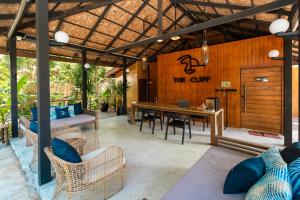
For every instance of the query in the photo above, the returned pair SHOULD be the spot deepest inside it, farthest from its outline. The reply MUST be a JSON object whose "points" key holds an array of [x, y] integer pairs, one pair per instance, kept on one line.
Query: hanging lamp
{"points": [[175, 37]]}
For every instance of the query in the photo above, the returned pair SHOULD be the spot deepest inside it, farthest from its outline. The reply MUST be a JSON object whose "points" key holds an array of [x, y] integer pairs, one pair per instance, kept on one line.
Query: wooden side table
{"points": [[4, 133]]}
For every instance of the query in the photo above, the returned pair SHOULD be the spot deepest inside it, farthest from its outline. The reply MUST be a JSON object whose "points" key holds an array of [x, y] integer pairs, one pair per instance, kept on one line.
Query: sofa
{"points": [[87, 117], [205, 179]]}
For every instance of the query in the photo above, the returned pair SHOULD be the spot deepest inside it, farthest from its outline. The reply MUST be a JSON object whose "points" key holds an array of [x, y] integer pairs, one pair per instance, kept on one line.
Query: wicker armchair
{"points": [[73, 136], [98, 176]]}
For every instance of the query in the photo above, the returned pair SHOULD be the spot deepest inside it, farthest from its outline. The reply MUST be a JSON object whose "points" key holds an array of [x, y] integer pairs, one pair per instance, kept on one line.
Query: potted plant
{"points": [[119, 91], [105, 96]]}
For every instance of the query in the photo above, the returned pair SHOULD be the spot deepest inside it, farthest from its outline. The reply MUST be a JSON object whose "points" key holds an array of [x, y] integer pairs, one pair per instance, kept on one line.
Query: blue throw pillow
{"points": [[71, 110], [62, 112], [33, 126], [276, 183], [52, 113], [294, 172], [244, 175], [65, 151], [34, 114], [78, 109]]}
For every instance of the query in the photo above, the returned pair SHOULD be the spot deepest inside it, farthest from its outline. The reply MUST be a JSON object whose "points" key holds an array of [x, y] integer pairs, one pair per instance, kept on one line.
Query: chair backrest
{"points": [[68, 174], [183, 103]]}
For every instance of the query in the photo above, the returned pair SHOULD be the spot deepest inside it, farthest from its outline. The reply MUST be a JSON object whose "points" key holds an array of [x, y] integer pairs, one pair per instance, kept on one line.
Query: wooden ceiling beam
{"points": [[56, 1], [100, 18], [52, 42], [229, 6], [127, 24], [212, 16], [212, 23], [70, 12]]}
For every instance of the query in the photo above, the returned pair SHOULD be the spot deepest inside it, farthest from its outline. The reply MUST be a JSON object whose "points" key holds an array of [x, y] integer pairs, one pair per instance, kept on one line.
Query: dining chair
{"points": [[151, 116], [204, 119], [178, 121]]}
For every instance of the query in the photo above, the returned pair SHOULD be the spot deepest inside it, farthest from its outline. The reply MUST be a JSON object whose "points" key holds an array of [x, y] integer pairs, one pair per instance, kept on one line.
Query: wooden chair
{"points": [[204, 119], [179, 121], [151, 116], [73, 136], [98, 176]]}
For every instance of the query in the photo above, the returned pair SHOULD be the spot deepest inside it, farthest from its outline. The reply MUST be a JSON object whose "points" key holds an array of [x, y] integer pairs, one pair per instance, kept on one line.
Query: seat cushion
{"points": [[65, 151], [72, 121], [294, 172], [291, 153], [62, 112], [244, 175], [205, 179], [275, 184]]}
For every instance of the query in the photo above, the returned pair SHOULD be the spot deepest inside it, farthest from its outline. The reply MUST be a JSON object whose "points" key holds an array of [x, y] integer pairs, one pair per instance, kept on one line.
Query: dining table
{"points": [[216, 117]]}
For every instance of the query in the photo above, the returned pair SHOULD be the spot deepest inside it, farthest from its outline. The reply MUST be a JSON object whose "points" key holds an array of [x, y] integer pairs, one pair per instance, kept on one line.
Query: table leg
{"points": [[220, 122], [133, 114], [213, 138]]}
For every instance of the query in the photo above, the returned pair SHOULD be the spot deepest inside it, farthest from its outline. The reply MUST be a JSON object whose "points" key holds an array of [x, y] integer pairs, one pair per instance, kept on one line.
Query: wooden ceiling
{"points": [[106, 25]]}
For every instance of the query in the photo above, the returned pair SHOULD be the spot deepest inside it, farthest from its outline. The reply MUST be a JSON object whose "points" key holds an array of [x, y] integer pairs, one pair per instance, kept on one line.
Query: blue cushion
{"points": [[275, 184], [52, 113], [71, 110], [294, 172], [65, 151], [33, 126], [62, 112], [244, 175], [78, 109], [34, 114]]}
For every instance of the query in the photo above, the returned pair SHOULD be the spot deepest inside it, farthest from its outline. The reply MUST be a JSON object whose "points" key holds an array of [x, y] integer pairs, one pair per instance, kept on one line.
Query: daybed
{"points": [[88, 117], [206, 178]]}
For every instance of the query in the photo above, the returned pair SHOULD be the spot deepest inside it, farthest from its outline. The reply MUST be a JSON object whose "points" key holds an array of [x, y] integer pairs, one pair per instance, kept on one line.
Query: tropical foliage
{"points": [[65, 83]]}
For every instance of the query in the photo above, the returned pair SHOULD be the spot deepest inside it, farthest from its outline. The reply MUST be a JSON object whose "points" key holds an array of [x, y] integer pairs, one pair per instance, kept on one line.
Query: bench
{"points": [[88, 117]]}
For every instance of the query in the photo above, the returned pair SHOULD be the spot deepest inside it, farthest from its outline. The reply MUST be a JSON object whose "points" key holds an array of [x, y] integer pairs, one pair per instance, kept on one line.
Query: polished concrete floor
{"points": [[13, 185], [153, 164]]}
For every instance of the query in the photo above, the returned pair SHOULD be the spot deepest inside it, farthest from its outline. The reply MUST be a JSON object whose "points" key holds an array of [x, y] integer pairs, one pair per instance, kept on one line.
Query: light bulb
{"points": [[273, 53]]}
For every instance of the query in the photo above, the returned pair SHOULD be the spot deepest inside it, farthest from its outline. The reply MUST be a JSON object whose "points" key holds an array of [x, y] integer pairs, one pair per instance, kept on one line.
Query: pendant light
{"points": [[175, 37], [279, 26], [61, 37], [204, 49], [144, 58], [87, 66]]}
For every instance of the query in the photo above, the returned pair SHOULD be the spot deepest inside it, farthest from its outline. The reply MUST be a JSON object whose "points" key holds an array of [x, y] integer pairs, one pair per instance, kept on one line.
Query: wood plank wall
{"points": [[226, 61]]}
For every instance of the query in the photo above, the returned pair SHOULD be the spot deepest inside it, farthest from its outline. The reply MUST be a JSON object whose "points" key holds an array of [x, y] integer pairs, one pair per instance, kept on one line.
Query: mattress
{"points": [[205, 179]]}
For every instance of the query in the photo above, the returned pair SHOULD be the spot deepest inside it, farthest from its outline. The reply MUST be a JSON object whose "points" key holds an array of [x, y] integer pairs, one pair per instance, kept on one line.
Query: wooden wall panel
{"points": [[226, 61], [153, 80]]}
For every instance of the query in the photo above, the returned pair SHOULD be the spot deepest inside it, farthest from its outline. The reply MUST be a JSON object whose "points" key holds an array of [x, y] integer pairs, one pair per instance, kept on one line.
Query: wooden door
{"points": [[261, 99], [142, 90]]}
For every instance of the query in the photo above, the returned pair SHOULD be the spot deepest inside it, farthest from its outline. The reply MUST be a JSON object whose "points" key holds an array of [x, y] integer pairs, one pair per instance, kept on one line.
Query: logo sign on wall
{"points": [[190, 63]]}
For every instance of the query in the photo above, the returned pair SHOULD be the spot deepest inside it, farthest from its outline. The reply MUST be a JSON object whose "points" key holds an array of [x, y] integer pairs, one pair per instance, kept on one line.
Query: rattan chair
{"points": [[98, 176], [73, 136]]}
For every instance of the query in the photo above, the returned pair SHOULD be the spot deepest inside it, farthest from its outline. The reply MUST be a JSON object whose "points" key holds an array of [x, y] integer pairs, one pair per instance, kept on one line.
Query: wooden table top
{"points": [[174, 108]]}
